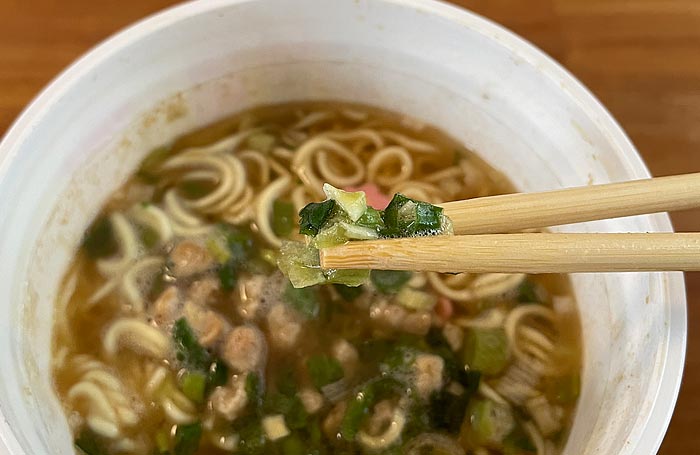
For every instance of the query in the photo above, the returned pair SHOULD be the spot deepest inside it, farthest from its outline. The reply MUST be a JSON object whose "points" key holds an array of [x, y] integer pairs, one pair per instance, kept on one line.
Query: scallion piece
{"points": [[217, 375], [228, 275], [189, 351], [194, 384], [389, 281], [303, 300], [372, 218], [282, 218], [518, 443], [314, 216], [204, 372], [324, 370], [357, 410], [293, 445], [89, 444], [301, 264], [240, 243], [489, 422], [187, 439], [405, 217], [353, 203], [486, 350], [99, 240], [348, 293], [253, 441], [253, 389], [162, 441], [359, 406]]}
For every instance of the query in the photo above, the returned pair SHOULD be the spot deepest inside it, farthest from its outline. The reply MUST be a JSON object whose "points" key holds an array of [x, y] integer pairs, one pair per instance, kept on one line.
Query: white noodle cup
{"points": [[193, 64]]}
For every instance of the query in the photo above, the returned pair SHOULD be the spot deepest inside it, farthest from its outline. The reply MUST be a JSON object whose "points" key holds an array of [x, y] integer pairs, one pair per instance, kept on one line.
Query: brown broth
{"points": [[79, 331]]}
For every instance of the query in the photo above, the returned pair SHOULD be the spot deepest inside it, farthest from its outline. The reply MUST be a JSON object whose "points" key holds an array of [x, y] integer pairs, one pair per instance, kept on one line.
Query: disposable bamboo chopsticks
{"points": [[523, 253], [515, 212]]}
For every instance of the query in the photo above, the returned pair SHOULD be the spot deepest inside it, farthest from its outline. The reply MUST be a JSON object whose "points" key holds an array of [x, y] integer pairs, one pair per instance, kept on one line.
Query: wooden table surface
{"points": [[640, 57]]}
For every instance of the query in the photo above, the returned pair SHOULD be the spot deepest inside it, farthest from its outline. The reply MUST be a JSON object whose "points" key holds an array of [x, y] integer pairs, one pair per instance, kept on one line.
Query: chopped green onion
{"points": [[162, 441], [518, 443], [187, 439], [349, 277], [415, 300], [253, 389], [348, 293], [293, 445], [217, 375], [304, 300], [314, 216], [216, 246], [489, 423], [194, 384], [372, 218], [315, 433], [232, 248], [527, 292], [330, 236], [228, 275], [428, 218], [454, 367], [353, 203], [282, 218], [290, 406], [392, 227], [204, 372], [269, 255], [158, 285], [358, 407], [189, 351], [389, 281], [149, 237], [252, 437], [354, 220], [240, 243], [446, 410], [405, 217], [296, 417], [399, 358], [286, 380], [486, 350], [301, 264], [89, 444], [356, 232], [99, 240], [470, 380], [324, 370]]}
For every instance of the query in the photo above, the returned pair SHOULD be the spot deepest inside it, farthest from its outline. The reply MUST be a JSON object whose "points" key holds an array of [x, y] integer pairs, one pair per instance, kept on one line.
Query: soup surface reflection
{"points": [[175, 333]]}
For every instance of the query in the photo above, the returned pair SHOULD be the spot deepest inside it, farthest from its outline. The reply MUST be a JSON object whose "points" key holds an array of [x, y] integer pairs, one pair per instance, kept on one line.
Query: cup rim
{"points": [[670, 379]]}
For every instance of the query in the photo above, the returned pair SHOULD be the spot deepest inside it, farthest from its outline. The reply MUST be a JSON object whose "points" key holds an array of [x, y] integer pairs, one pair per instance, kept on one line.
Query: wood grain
{"points": [[640, 57], [522, 253]]}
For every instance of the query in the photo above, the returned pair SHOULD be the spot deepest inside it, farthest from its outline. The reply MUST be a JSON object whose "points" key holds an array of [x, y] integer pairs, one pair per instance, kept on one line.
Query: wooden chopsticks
{"points": [[515, 212], [542, 252], [522, 253]]}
